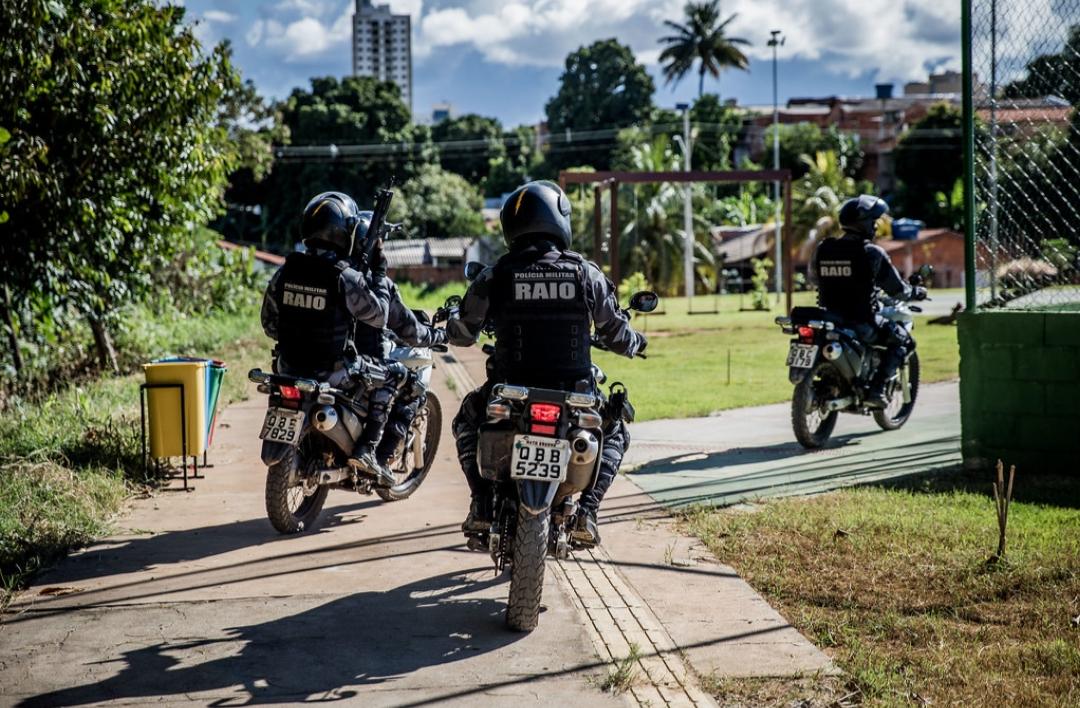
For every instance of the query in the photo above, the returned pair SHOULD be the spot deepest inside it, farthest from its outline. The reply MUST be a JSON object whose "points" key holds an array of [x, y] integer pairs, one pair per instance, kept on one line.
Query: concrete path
{"points": [[196, 600], [751, 453]]}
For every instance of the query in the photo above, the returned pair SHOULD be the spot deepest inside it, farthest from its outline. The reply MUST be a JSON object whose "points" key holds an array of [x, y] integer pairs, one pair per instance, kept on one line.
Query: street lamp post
{"points": [[776, 42], [688, 217]]}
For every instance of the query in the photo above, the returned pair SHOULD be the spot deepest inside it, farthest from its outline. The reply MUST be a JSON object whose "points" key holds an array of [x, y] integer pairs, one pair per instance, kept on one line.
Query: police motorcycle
{"points": [[832, 368], [541, 447]]}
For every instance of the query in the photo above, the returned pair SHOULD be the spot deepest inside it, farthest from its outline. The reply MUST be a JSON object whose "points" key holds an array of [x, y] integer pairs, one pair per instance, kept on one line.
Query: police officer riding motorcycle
{"points": [[542, 301], [849, 271], [327, 313]]}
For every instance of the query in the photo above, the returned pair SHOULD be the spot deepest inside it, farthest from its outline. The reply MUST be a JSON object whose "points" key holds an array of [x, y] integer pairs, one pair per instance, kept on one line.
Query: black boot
{"points": [[363, 461], [479, 519], [586, 532]]}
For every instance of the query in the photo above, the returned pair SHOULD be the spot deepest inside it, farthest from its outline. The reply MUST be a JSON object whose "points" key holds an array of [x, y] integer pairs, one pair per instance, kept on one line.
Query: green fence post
{"points": [[969, 155]]}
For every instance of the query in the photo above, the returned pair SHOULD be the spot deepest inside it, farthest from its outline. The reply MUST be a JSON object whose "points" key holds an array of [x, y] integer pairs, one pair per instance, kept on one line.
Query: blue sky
{"points": [[503, 57]]}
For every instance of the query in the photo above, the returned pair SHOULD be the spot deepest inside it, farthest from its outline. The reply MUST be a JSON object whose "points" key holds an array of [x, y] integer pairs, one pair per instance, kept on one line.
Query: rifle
{"points": [[378, 221]]}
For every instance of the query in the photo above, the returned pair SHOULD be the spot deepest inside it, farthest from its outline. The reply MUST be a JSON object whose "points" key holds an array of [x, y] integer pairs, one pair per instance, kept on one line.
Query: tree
{"points": [[468, 144], [438, 204], [603, 87], [799, 139], [1052, 74], [718, 128], [928, 160], [703, 38], [115, 151], [355, 111]]}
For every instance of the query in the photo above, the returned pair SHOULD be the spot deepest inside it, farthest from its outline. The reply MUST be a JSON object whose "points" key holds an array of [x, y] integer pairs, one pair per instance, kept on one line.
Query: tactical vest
{"points": [[542, 319], [313, 322], [845, 281]]}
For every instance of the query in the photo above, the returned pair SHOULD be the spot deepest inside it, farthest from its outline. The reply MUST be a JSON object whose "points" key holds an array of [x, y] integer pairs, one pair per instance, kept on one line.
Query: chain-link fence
{"points": [[1025, 83]]}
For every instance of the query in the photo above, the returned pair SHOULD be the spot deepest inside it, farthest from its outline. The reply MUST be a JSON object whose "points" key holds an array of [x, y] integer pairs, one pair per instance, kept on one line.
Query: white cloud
{"points": [[327, 28], [896, 38], [219, 16]]}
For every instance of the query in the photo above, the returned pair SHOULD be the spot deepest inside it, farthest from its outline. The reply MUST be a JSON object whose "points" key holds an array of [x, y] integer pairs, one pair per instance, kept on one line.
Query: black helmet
{"points": [[535, 209], [330, 221], [859, 215]]}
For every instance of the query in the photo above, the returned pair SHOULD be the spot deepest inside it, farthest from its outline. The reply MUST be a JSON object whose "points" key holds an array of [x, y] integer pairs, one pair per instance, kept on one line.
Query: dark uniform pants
{"points": [[896, 340], [406, 406], [378, 399], [466, 428]]}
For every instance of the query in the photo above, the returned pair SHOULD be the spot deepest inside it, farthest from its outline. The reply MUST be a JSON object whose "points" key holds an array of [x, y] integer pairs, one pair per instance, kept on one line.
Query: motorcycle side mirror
{"points": [[644, 301], [926, 271], [473, 269]]}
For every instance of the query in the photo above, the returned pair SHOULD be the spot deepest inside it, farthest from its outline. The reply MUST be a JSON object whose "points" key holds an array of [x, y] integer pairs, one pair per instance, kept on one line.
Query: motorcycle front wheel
{"points": [[897, 412], [410, 470], [812, 424], [529, 550], [291, 506]]}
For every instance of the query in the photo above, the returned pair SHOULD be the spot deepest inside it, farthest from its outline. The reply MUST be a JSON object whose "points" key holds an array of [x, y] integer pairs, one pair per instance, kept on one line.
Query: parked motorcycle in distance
{"points": [[309, 431], [831, 369], [541, 447]]}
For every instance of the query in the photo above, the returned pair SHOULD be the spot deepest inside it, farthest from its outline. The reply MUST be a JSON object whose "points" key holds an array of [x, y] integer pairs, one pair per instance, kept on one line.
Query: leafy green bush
{"points": [[760, 282]]}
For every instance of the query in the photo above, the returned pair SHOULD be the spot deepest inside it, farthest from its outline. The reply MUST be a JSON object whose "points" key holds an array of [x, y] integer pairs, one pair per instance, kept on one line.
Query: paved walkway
{"points": [[751, 453], [196, 600]]}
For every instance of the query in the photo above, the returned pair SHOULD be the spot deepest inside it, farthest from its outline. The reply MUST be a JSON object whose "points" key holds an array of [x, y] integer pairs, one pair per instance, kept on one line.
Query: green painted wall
{"points": [[1020, 389]]}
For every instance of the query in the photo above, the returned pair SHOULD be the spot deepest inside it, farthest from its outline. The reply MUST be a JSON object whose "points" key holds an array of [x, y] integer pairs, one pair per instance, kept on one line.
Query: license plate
{"points": [[540, 459], [802, 356], [282, 425]]}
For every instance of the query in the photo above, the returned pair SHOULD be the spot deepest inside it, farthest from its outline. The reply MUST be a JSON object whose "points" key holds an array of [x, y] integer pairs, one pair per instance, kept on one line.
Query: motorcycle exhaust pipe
{"points": [[584, 448], [838, 404], [333, 476]]}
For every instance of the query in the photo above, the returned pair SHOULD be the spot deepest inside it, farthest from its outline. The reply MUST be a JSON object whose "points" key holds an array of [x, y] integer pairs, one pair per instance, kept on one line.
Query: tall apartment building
{"points": [[382, 46]]}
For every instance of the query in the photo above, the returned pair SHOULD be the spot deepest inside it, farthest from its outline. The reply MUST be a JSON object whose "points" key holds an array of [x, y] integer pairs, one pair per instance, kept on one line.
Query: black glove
{"points": [[644, 344], [378, 260], [918, 293]]}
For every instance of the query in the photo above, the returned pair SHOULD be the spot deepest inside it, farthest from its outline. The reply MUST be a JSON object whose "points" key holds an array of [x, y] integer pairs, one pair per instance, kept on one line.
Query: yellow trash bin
{"points": [[164, 407]]}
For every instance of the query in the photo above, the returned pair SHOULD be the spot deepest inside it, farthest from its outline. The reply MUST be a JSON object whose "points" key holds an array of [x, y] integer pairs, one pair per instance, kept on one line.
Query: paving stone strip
{"points": [[618, 620]]}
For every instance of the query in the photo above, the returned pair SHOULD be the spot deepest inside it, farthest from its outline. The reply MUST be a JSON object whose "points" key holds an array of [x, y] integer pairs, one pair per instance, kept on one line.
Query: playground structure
{"points": [[611, 180]]}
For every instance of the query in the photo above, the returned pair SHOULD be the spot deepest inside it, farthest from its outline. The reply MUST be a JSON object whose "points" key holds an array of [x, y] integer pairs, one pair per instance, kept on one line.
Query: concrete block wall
{"points": [[1020, 390]]}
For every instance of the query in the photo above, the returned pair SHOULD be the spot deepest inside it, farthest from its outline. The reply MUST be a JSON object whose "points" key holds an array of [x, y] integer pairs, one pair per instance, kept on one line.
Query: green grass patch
{"points": [[894, 583], [69, 459], [687, 372]]}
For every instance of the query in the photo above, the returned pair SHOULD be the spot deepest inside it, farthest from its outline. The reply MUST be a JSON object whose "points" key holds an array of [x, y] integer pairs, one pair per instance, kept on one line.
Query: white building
{"points": [[382, 46]]}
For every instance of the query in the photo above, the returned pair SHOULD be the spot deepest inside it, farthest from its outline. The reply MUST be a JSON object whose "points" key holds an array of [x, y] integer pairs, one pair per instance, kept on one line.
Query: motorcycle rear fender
{"points": [[274, 452], [536, 497], [796, 375]]}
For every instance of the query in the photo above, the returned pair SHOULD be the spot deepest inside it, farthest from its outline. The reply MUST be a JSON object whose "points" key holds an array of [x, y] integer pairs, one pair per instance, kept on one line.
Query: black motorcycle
{"points": [[832, 368], [541, 447], [310, 428]]}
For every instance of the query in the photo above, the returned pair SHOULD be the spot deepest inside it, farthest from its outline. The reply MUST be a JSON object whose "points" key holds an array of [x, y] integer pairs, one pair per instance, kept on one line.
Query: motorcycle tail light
{"points": [[289, 393], [806, 333], [540, 429], [545, 412]]}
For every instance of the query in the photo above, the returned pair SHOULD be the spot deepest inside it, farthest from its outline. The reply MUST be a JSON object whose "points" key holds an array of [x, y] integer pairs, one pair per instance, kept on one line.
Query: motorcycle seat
{"points": [[802, 315]]}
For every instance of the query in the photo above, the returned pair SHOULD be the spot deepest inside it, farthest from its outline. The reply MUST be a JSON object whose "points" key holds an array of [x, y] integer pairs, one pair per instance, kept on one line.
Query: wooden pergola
{"points": [[612, 180]]}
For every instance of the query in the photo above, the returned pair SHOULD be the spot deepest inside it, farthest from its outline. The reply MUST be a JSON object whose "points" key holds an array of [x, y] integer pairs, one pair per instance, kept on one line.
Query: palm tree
{"points": [[701, 39]]}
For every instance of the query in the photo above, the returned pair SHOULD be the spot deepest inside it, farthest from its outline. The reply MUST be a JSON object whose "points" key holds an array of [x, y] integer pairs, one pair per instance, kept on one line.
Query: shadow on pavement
{"points": [[131, 554], [317, 655], [742, 456], [716, 478]]}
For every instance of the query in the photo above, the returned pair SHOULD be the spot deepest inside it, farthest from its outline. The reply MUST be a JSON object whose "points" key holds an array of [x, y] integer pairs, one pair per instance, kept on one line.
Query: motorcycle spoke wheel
{"points": [[409, 473], [813, 425]]}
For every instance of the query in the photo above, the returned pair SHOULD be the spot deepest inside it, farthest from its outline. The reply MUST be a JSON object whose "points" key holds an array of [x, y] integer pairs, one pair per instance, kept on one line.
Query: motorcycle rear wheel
{"points": [[812, 426], [289, 509], [411, 479], [527, 570], [897, 412]]}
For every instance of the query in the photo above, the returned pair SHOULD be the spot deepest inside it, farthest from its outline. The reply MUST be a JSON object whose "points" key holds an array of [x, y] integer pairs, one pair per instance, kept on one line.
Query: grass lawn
{"points": [[686, 373], [893, 582], [68, 461]]}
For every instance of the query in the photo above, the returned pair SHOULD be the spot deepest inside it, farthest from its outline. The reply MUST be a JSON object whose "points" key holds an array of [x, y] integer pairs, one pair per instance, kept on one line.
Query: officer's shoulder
{"points": [[872, 247]]}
